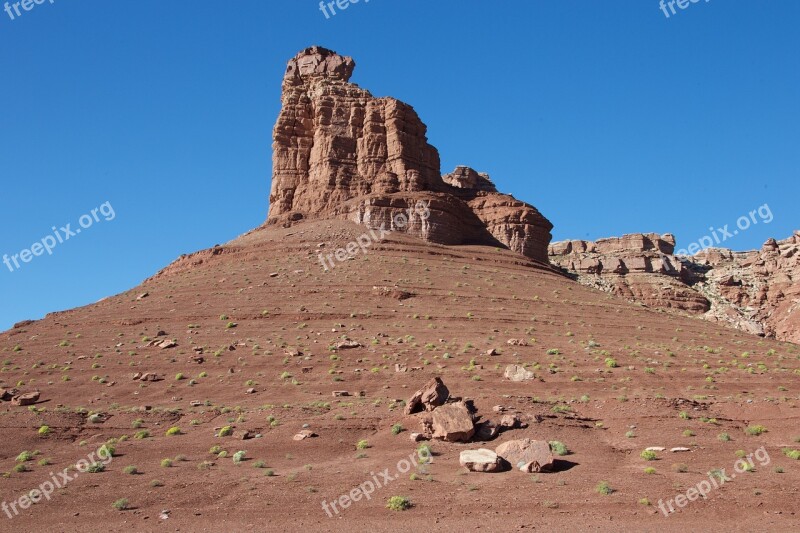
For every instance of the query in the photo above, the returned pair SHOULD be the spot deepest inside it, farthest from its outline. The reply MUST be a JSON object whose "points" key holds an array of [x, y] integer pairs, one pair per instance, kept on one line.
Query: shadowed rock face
{"points": [[756, 291], [339, 152]]}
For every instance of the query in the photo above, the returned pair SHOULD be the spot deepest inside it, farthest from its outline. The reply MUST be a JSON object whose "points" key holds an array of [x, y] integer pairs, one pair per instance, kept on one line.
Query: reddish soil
{"points": [[465, 301]]}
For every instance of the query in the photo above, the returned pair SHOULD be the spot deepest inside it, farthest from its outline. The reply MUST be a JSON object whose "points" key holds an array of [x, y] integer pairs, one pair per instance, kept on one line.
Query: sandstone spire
{"points": [[339, 152]]}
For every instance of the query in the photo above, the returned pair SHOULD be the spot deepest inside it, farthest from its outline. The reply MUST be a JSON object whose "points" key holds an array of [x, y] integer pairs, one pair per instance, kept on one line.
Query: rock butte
{"points": [[339, 152]]}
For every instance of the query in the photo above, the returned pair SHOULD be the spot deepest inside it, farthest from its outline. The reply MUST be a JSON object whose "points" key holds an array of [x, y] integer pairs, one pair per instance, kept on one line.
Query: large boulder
{"points": [[453, 423], [527, 455], [432, 395], [481, 460]]}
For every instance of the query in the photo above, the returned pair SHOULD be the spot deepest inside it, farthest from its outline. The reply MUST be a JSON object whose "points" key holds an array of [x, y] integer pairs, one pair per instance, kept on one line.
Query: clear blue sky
{"points": [[605, 115]]}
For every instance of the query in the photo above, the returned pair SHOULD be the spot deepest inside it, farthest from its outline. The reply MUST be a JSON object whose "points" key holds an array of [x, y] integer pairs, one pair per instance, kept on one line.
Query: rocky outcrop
{"points": [[339, 152], [756, 291], [638, 267]]}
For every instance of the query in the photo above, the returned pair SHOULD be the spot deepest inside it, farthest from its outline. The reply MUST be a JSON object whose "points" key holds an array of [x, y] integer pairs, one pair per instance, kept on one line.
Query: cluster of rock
{"points": [[755, 291], [339, 152], [455, 420]]}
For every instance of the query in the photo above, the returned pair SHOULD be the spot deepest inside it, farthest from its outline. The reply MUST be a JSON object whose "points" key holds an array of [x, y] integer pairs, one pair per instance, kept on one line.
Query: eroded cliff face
{"points": [[756, 291], [339, 152]]}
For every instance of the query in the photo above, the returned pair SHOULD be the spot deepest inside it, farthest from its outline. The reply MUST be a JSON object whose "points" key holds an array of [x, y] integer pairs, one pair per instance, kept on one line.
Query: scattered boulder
{"points": [[453, 423], [400, 367], [29, 398], [680, 449], [434, 394], [7, 394], [486, 430], [481, 460], [655, 449], [340, 393], [518, 373], [348, 344], [244, 434], [492, 351], [392, 292], [147, 376], [527, 455], [516, 342], [304, 434], [417, 437], [511, 422]]}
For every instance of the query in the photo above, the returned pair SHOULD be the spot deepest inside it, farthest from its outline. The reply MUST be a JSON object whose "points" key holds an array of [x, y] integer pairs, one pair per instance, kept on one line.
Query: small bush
{"points": [[755, 430], [131, 470], [226, 431], [166, 463], [238, 457], [25, 457], [724, 437], [96, 468], [792, 454], [44, 431], [397, 429], [648, 455], [362, 445], [171, 432], [143, 434], [604, 488], [398, 503], [121, 504], [649, 470], [558, 447]]}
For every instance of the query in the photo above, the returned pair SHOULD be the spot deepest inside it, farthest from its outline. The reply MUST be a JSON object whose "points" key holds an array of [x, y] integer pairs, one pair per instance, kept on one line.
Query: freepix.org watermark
{"points": [[102, 455], [378, 481], [716, 478], [13, 8], [365, 240], [59, 236], [327, 7], [722, 234], [668, 6]]}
